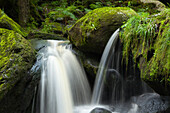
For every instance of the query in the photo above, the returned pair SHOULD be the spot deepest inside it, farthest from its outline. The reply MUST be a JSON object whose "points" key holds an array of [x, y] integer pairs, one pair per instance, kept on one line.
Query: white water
{"points": [[63, 81], [103, 66], [65, 89]]}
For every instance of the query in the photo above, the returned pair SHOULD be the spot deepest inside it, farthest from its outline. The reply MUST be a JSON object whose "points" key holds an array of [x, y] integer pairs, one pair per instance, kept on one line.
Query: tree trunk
{"points": [[24, 12]]}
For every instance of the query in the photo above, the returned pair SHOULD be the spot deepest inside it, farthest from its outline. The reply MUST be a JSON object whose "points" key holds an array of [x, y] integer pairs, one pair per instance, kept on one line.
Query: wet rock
{"points": [[90, 62], [45, 36], [91, 33], [152, 103], [17, 57], [7, 23], [100, 110]]}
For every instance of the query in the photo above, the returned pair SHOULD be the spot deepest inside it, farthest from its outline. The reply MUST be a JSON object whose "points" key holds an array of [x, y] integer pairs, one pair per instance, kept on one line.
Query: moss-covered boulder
{"points": [[148, 38], [16, 58], [92, 31], [7, 23]]}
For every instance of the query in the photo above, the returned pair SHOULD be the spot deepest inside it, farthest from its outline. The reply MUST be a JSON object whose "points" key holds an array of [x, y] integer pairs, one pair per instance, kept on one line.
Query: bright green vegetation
{"points": [[8, 23], [148, 38], [51, 27], [16, 58], [91, 32], [98, 17], [67, 12]]}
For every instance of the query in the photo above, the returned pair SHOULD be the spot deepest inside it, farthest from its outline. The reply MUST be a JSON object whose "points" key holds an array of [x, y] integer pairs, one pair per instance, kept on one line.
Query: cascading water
{"points": [[112, 77], [118, 86], [65, 89], [113, 86], [63, 82], [103, 67]]}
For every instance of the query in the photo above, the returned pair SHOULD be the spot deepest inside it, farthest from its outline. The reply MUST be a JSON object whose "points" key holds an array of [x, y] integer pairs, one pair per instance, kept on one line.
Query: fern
{"points": [[138, 30], [96, 5], [61, 12], [144, 33]]}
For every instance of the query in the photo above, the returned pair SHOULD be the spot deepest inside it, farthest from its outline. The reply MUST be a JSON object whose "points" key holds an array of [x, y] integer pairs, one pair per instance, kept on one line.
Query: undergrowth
{"points": [[148, 38]]}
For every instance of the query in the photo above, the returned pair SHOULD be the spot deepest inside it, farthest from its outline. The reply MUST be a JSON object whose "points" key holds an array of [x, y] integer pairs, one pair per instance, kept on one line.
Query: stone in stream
{"points": [[100, 110]]}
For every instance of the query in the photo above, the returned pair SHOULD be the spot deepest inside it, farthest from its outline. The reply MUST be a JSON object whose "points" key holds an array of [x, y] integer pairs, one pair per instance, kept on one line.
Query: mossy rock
{"points": [[91, 32], [45, 36], [7, 23], [147, 37], [16, 58]]}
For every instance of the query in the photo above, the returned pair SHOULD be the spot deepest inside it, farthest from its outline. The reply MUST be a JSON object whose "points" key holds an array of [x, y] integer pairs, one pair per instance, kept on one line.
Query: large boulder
{"points": [[92, 31], [17, 57], [7, 23], [147, 37]]}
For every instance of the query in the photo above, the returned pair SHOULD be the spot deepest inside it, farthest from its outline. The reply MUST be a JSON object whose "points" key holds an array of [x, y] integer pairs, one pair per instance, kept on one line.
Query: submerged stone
{"points": [[92, 31]]}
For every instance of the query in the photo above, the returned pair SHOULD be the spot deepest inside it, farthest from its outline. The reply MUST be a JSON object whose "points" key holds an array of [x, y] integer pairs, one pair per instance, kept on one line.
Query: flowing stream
{"points": [[63, 81], [64, 87]]}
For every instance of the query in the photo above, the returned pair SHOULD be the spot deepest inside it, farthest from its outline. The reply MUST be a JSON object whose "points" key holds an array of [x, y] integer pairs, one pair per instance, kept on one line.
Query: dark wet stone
{"points": [[100, 110]]}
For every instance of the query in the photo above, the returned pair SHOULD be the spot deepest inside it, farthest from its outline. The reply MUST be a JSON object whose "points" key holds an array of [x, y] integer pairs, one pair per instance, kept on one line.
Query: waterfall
{"points": [[115, 84], [118, 88], [103, 66], [63, 80]]}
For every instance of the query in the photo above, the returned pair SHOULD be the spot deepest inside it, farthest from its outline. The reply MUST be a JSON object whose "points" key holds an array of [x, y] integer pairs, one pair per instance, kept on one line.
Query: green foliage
{"points": [[1, 12], [46, 26], [8, 23], [49, 27], [68, 12], [97, 26], [55, 3], [138, 30], [32, 24], [143, 34], [160, 63], [96, 5], [63, 13]]}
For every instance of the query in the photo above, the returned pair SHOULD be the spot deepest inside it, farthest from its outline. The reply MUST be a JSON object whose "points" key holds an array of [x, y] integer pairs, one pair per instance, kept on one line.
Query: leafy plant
{"points": [[61, 12], [143, 34], [96, 5], [138, 30]]}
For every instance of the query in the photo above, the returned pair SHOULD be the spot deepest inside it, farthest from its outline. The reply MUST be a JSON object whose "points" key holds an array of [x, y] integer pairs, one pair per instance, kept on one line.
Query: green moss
{"points": [[8, 23], [50, 27], [148, 37], [139, 30], [92, 20], [160, 62], [16, 57], [164, 14], [99, 17], [1, 12]]}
